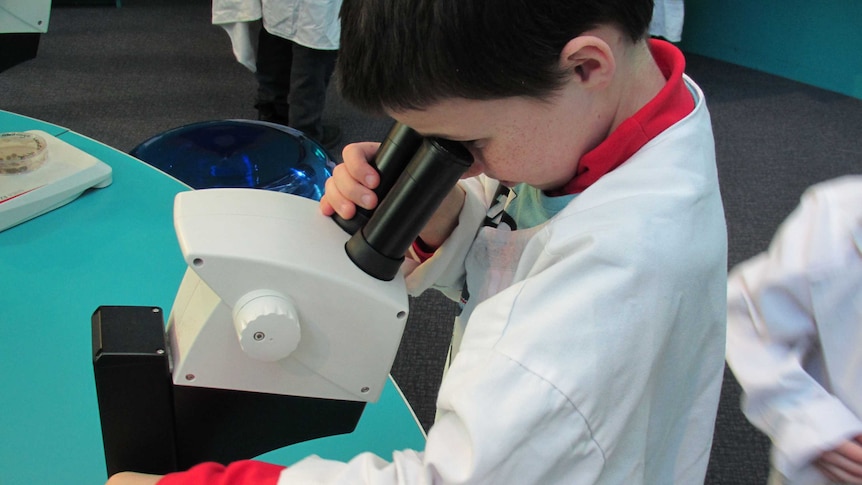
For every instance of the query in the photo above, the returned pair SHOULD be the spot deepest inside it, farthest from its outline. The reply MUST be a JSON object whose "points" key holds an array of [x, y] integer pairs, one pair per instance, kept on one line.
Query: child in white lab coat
{"points": [[794, 337]]}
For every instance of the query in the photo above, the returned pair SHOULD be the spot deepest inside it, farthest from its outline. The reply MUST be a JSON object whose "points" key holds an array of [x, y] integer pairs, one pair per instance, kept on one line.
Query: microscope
{"points": [[285, 325]]}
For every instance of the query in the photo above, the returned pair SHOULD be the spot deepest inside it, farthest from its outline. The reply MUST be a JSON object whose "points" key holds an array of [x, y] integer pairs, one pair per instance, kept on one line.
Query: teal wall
{"points": [[814, 42]]}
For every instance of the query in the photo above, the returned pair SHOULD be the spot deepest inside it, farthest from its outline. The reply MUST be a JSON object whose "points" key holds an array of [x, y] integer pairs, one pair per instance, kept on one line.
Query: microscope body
{"points": [[267, 270], [285, 325]]}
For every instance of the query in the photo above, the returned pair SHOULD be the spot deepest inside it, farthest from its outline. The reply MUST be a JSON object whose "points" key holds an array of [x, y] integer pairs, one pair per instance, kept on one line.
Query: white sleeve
{"points": [[241, 43], [496, 420], [771, 332], [445, 269]]}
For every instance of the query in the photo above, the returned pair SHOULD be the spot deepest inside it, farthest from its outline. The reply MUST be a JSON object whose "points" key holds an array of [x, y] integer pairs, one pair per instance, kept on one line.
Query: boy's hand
{"points": [[844, 463], [352, 182], [132, 478]]}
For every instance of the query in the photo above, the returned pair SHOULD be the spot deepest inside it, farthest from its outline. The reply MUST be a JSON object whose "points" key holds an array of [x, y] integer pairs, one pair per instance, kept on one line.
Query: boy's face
{"points": [[514, 140]]}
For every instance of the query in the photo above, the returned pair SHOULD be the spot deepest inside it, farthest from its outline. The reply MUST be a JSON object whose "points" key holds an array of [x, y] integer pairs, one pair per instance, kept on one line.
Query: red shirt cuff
{"points": [[237, 473], [422, 250]]}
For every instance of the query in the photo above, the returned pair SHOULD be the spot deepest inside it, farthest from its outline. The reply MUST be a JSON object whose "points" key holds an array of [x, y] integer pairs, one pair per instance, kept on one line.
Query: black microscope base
{"points": [[150, 425]]}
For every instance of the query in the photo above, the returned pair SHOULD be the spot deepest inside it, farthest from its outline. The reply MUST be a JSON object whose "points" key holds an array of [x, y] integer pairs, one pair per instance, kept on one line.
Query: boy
{"points": [[590, 347], [794, 327]]}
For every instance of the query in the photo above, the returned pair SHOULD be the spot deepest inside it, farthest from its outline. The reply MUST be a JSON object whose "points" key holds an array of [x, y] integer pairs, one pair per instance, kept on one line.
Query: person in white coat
{"points": [[590, 345], [667, 20], [794, 337], [293, 59]]}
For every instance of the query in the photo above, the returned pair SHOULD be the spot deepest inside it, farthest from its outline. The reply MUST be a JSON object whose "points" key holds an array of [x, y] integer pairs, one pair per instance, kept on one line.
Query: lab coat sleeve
{"points": [[234, 17], [241, 43], [771, 331], [469, 445], [496, 417], [445, 269]]}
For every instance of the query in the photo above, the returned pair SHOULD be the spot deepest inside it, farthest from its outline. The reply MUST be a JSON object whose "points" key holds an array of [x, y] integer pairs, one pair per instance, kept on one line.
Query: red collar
{"points": [[673, 103]]}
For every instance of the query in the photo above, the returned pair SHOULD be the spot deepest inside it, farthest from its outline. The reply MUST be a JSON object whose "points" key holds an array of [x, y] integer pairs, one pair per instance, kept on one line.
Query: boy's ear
{"points": [[590, 59]]}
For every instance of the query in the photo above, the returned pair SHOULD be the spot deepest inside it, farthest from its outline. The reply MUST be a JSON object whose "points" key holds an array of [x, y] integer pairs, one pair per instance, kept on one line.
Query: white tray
{"points": [[64, 176]]}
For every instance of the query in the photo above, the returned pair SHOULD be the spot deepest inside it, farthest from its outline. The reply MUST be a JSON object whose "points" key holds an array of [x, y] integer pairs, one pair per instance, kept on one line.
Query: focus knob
{"points": [[267, 325]]}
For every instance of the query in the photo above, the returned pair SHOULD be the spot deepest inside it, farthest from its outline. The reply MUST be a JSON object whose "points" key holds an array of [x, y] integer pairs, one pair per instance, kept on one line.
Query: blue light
{"points": [[240, 153]]}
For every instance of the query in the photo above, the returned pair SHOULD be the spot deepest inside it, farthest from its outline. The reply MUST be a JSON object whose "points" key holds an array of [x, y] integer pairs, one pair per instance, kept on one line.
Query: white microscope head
{"points": [[272, 303]]}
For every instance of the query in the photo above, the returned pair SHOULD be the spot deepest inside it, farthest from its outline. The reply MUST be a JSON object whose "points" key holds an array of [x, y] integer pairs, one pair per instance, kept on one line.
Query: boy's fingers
{"points": [[351, 182], [333, 201], [325, 207], [356, 157], [851, 453], [844, 462], [349, 189], [837, 474]]}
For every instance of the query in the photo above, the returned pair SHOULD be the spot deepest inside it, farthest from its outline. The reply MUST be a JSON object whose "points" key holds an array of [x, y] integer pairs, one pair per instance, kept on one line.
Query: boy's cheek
{"points": [[474, 170]]}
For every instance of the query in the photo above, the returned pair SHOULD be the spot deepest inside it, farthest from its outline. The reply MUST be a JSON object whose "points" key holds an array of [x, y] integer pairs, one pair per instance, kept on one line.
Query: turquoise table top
{"points": [[111, 246]]}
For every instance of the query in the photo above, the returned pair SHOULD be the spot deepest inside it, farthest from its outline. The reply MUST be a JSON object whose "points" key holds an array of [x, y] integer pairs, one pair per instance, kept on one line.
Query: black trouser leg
{"points": [[274, 61], [310, 74]]}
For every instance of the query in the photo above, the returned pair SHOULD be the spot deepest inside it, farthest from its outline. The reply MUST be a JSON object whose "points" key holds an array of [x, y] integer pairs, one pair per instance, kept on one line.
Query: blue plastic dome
{"points": [[240, 153]]}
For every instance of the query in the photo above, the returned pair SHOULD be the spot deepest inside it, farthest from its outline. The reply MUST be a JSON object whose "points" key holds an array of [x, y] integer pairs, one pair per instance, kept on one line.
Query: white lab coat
{"points": [[795, 330], [594, 349], [311, 23], [667, 19]]}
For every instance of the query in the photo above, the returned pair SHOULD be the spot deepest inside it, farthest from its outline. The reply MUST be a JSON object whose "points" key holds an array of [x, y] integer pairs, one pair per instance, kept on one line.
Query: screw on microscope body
{"points": [[259, 336]]}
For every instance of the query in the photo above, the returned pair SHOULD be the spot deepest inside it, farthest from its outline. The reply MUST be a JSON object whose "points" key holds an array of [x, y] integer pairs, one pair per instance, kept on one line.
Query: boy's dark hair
{"points": [[408, 54]]}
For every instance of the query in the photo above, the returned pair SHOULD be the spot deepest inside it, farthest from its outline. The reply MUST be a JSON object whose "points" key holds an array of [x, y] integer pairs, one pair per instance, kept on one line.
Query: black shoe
{"points": [[269, 112]]}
